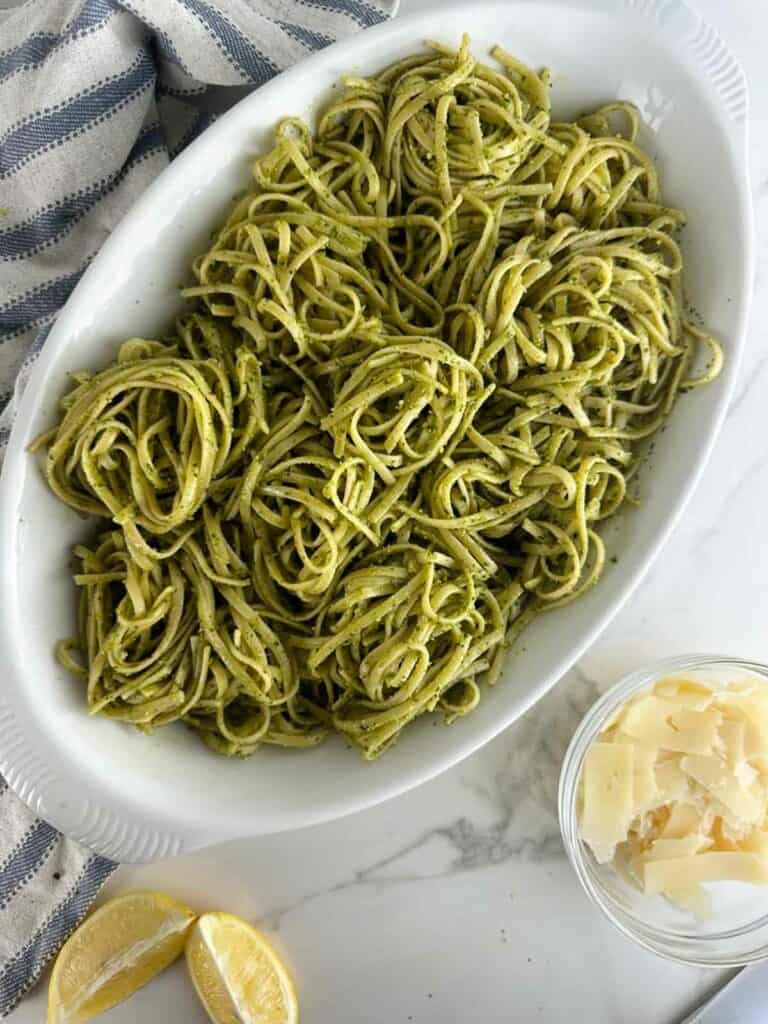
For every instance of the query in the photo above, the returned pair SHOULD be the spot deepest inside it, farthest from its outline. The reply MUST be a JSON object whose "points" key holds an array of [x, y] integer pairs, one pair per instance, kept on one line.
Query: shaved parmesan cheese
{"points": [[683, 819], [731, 741], [651, 721], [756, 842], [607, 809], [645, 790], [726, 837], [685, 846], [677, 872], [675, 790], [755, 709], [692, 897], [701, 725], [715, 776], [672, 782], [685, 693]]}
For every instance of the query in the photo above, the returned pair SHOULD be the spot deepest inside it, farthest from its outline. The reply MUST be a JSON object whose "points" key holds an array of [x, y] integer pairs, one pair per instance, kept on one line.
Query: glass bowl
{"points": [[737, 931]]}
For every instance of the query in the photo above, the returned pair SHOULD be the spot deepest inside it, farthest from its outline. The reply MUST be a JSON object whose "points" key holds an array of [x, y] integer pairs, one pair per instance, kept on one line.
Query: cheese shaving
{"points": [[674, 792]]}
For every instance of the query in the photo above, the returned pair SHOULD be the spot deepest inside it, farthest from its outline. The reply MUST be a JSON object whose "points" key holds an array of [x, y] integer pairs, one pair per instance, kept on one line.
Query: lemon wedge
{"points": [[115, 951], [237, 974]]}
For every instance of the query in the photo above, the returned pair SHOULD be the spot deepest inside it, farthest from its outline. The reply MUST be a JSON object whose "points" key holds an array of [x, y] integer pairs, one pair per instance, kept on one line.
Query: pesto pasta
{"points": [[409, 384]]}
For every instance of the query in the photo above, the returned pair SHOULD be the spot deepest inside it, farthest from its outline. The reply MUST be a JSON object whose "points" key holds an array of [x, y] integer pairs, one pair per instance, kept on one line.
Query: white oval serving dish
{"points": [[134, 797]]}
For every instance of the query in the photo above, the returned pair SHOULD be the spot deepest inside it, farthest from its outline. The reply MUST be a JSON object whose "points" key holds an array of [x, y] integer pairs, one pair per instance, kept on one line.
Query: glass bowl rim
{"points": [[647, 936]]}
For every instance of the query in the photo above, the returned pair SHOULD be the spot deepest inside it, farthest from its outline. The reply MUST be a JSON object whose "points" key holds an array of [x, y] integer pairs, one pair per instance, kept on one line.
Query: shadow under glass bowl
{"points": [[737, 931]]}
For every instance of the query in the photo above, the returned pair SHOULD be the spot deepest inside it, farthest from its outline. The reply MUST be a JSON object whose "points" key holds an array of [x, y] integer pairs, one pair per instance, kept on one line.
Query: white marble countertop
{"points": [[456, 903]]}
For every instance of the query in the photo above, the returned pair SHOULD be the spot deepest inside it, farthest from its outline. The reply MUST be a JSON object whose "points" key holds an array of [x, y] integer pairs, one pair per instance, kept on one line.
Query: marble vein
{"points": [[520, 791]]}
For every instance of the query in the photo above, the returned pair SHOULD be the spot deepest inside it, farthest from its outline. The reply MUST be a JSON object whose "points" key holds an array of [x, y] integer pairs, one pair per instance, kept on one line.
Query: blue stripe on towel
{"points": [[52, 127], [27, 964], [25, 859], [38, 47], [237, 48], [37, 304], [361, 12], [54, 220], [312, 40]]}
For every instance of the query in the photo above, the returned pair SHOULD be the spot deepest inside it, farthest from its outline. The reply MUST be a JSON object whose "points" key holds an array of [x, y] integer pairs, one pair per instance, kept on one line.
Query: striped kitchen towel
{"points": [[96, 96]]}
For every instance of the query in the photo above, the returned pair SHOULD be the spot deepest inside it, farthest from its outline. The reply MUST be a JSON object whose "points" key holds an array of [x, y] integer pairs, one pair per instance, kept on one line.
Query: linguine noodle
{"points": [[409, 386]]}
